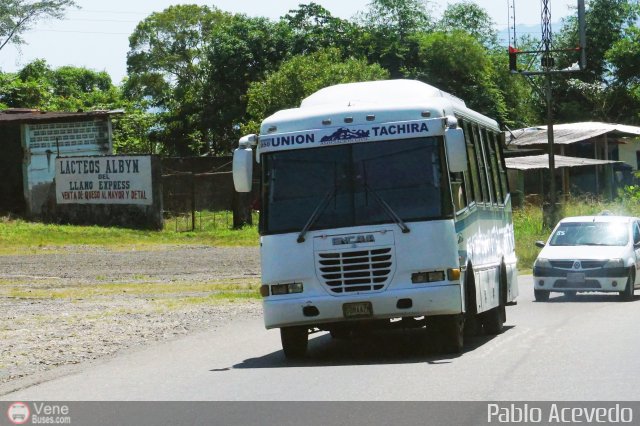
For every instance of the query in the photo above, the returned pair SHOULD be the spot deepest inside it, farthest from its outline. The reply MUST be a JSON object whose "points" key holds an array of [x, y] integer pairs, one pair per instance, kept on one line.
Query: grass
{"points": [[528, 226], [210, 290], [214, 228], [18, 236]]}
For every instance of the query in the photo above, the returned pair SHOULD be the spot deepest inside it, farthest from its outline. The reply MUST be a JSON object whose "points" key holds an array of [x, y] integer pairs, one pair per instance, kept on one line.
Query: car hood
{"points": [[583, 252]]}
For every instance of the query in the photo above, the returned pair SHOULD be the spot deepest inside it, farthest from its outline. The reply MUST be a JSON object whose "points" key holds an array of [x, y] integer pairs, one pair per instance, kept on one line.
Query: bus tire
{"points": [[294, 341], [472, 323], [450, 330], [340, 333], [493, 320]]}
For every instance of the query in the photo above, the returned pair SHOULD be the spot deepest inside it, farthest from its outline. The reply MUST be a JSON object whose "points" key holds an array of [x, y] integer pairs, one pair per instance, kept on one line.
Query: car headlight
{"points": [[614, 263], [542, 263]]}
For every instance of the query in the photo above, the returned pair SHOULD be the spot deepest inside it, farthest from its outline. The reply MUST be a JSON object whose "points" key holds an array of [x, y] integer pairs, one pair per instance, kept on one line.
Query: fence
{"points": [[198, 191]]}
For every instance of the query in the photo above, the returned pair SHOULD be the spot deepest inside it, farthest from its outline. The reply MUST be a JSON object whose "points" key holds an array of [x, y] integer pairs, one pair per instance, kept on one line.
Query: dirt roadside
{"points": [[84, 303]]}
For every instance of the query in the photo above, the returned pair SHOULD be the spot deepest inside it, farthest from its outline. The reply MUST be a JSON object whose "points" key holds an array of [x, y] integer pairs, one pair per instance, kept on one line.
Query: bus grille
{"points": [[355, 271]]}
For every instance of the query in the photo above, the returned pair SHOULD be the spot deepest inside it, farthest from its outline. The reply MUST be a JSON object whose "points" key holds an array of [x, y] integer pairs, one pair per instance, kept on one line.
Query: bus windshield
{"points": [[349, 185]]}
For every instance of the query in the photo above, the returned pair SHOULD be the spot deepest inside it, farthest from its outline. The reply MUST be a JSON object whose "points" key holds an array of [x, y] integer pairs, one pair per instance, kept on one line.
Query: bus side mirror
{"points": [[243, 169], [456, 150]]}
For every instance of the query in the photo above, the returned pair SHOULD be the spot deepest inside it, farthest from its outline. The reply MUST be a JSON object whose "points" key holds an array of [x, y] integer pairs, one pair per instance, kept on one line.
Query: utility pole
{"points": [[550, 216], [547, 65]]}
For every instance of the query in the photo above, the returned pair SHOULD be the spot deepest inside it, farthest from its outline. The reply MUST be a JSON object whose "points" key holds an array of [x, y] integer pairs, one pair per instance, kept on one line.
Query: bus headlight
{"points": [[289, 288], [427, 277]]}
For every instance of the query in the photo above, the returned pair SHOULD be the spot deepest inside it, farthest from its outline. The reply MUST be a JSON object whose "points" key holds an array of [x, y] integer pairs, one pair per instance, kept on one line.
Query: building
{"points": [[32, 140], [591, 157]]}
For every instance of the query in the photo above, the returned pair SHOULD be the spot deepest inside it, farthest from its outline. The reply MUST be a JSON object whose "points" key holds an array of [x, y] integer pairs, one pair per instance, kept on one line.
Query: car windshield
{"points": [[355, 184], [591, 234]]}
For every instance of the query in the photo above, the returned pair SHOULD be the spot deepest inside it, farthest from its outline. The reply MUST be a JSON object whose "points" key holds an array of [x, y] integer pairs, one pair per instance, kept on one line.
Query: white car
{"points": [[589, 253]]}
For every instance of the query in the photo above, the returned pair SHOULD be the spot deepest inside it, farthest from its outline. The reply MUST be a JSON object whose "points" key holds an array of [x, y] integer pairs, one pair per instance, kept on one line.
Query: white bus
{"points": [[383, 203]]}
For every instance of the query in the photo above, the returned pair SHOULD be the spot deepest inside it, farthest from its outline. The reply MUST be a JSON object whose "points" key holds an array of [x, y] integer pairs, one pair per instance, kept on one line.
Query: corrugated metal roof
{"points": [[19, 116], [542, 162], [565, 134]]}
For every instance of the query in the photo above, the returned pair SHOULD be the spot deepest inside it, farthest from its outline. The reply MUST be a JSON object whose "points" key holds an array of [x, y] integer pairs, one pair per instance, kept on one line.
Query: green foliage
{"points": [[301, 76], [132, 132], [457, 63], [19, 16], [240, 51], [599, 92], [19, 236], [314, 28], [471, 18], [389, 27], [67, 88], [167, 69]]}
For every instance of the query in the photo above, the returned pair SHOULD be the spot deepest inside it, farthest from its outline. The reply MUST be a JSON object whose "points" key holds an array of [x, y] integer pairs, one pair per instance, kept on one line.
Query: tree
{"points": [[67, 88], [18, 16], [473, 19], [193, 65], [314, 28], [597, 94], [301, 76], [167, 69], [132, 132], [457, 63], [624, 56], [240, 51], [389, 26]]}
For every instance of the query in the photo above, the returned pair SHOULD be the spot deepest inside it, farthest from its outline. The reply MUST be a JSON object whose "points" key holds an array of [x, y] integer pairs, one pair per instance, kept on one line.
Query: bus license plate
{"points": [[575, 277], [357, 310]]}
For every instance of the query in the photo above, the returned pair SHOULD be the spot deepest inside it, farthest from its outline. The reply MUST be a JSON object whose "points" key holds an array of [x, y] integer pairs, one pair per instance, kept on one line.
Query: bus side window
{"points": [[472, 163], [483, 177], [458, 191], [495, 171], [503, 170]]}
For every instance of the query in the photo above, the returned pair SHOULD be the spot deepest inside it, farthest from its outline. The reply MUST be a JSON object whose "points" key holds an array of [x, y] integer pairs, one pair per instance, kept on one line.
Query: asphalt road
{"points": [[582, 349]]}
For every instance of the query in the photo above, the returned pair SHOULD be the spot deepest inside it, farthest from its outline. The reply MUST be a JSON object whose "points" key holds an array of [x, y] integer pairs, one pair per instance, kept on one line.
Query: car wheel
{"points": [[628, 292], [294, 341], [541, 295]]}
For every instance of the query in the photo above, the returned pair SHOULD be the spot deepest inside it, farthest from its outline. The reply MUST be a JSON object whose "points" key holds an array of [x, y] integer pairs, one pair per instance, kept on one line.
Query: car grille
{"points": [[586, 264], [591, 284], [355, 271]]}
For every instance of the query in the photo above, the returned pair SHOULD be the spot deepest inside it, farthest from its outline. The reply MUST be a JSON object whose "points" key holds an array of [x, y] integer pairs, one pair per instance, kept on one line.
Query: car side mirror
{"points": [[540, 244]]}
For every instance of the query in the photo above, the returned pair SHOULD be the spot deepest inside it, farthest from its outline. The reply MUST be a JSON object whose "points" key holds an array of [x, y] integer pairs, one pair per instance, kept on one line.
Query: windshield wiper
{"points": [[387, 208], [316, 213]]}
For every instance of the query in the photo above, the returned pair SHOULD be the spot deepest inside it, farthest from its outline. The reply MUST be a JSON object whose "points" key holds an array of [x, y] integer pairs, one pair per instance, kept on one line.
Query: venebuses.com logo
{"points": [[18, 413]]}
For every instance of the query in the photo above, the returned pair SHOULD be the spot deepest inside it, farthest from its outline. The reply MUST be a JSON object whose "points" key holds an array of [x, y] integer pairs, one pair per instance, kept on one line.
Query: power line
{"points": [[79, 32]]}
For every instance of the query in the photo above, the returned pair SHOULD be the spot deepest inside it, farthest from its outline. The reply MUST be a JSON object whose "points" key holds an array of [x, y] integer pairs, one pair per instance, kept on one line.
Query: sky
{"points": [[96, 34]]}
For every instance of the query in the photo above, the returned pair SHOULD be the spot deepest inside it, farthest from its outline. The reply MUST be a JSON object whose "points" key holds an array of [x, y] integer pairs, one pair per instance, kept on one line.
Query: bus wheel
{"points": [[493, 320], [294, 341], [340, 333], [451, 333]]}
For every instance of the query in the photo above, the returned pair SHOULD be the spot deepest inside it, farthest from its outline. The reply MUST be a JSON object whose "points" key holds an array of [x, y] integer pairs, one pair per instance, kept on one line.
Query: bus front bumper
{"points": [[425, 301]]}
